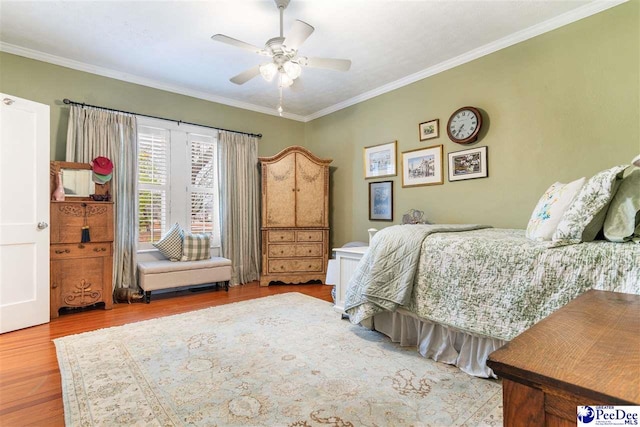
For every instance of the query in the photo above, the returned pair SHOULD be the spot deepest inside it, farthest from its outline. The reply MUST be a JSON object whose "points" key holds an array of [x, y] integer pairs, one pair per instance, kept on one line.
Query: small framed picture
{"points": [[422, 167], [380, 160], [381, 201], [468, 164], [429, 130]]}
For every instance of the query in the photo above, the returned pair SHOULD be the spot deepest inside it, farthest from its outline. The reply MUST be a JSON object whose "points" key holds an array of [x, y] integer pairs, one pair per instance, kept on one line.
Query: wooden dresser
{"points": [[295, 217], [81, 273], [586, 353]]}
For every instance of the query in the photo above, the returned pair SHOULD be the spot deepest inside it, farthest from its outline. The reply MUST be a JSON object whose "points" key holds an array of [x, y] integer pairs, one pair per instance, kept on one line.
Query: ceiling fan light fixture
{"points": [[268, 71], [292, 69], [285, 80]]}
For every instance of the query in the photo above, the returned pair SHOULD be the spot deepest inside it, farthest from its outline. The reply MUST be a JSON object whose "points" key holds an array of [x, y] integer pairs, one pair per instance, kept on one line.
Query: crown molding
{"points": [[515, 38], [520, 36], [130, 78]]}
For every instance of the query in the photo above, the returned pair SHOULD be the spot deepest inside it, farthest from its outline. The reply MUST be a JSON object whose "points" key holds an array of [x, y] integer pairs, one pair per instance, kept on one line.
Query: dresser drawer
{"points": [[296, 265], [309, 236], [282, 251], [80, 250], [309, 250], [282, 236]]}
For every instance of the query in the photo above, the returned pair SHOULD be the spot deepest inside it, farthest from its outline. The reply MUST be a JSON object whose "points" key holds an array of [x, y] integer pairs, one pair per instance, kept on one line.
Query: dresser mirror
{"points": [[77, 180]]}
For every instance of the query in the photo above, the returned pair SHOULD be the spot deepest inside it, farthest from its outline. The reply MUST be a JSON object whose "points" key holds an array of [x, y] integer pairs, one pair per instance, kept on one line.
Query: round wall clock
{"points": [[464, 125]]}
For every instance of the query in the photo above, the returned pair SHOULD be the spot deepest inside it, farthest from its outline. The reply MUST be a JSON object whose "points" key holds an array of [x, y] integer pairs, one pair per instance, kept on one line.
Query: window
{"points": [[177, 180]]}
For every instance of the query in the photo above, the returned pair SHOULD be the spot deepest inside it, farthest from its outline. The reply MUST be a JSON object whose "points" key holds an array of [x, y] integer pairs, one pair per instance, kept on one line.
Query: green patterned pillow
{"points": [[196, 247], [585, 217], [171, 243], [623, 215]]}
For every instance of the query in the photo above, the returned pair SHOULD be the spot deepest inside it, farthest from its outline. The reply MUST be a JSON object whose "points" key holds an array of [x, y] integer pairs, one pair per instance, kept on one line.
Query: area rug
{"points": [[283, 360]]}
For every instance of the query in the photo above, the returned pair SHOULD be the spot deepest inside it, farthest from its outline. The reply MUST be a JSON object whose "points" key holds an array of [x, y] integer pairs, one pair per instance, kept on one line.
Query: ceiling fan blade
{"points": [[328, 63], [246, 75], [236, 43], [300, 31]]}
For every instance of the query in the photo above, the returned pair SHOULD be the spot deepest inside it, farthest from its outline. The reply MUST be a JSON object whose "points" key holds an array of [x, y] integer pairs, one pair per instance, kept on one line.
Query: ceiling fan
{"points": [[283, 51]]}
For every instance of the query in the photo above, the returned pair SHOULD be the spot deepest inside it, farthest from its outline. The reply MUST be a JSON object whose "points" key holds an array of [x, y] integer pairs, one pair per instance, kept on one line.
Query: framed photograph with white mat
{"points": [[468, 164], [422, 167], [380, 160], [381, 201]]}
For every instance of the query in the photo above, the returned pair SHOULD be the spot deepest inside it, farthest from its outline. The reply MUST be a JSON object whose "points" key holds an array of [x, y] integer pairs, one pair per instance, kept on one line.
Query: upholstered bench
{"points": [[158, 274]]}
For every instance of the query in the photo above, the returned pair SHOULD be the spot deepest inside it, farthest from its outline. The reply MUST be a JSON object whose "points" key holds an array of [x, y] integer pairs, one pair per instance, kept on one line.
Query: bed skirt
{"points": [[440, 343]]}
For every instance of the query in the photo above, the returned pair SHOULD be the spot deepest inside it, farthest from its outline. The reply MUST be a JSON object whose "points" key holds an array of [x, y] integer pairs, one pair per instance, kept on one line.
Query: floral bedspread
{"points": [[384, 278], [497, 283]]}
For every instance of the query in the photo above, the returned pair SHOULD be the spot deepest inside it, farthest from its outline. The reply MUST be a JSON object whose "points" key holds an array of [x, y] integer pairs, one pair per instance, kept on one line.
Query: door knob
{"points": [[42, 225]]}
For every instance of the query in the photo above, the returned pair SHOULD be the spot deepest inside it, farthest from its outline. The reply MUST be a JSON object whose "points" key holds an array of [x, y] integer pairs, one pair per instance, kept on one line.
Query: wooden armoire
{"points": [[295, 217]]}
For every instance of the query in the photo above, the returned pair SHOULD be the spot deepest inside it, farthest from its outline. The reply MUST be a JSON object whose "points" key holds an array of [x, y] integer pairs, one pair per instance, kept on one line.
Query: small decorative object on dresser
{"points": [[422, 167], [429, 130], [468, 164], [81, 264], [380, 160], [381, 201], [295, 217], [464, 125]]}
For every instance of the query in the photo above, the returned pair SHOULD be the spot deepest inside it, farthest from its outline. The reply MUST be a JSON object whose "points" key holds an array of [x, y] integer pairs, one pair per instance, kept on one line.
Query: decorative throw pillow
{"points": [[550, 208], [196, 247], [623, 215], [171, 243], [584, 218]]}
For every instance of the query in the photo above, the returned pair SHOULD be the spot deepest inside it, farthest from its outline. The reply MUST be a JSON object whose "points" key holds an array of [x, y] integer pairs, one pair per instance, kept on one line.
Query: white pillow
{"points": [[550, 208]]}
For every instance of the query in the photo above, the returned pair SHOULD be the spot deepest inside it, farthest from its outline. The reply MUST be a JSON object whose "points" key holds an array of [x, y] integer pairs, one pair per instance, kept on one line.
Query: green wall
{"points": [[50, 84], [557, 107]]}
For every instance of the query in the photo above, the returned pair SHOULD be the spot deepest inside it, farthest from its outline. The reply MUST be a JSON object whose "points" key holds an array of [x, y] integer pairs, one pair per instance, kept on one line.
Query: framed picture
{"points": [[422, 167], [381, 201], [468, 164], [430, 129], [380, 160]]}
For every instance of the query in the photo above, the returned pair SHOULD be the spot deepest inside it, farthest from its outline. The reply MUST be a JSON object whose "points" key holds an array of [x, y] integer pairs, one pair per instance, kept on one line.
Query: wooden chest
{"points": [[81, 273], [586, 353]]}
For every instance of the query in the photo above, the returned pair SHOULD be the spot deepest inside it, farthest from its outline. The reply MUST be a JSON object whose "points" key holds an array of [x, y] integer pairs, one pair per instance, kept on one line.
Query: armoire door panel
{"points": [[310, 193], [279, 195]]}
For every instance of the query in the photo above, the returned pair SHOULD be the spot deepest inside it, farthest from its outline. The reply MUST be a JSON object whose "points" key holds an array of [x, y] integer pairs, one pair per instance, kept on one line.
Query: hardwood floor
{"points": [[30, 391]]}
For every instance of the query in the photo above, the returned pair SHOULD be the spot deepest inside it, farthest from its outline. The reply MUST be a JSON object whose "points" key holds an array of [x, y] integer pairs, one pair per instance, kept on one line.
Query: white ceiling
{"points": [[167, 45]]}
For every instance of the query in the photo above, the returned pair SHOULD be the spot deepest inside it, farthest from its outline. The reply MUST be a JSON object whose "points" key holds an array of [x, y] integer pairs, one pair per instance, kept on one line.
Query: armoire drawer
{"points": [[281, 236], [309, 236], [282, 251], [80, 250], [295, 265], [295, 250], [309, 250]]}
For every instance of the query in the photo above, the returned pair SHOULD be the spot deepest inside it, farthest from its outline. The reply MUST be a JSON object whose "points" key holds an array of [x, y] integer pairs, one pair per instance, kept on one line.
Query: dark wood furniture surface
{"points": [[586, 353], [295, 217], [81, 273]]}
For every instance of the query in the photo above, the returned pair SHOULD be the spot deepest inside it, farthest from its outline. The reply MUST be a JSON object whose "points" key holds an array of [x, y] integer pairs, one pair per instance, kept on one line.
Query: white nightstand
{"points": [[347, 260]]}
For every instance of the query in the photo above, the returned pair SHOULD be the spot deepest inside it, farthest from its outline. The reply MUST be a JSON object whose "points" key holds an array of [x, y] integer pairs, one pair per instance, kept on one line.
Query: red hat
{"points": [[102, 165]]}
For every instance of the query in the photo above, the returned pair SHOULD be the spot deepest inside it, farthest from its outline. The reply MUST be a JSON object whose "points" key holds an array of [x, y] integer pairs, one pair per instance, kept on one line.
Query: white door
{"points": [[24, 213]]}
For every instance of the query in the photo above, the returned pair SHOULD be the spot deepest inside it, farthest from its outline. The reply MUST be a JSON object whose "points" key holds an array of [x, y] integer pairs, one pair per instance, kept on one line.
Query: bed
{"points": [[458, 292]]}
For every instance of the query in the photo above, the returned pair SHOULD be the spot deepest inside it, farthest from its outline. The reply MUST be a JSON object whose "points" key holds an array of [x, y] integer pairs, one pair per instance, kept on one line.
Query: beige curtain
{"points": [[240, 205], [94, 132]]}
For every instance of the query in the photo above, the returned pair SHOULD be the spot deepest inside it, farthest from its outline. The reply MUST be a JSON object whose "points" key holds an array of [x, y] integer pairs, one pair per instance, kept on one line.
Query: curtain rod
{"points": [[68, 101]]}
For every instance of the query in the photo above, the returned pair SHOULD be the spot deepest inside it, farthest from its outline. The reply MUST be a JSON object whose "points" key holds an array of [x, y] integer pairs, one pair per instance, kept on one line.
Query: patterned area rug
{"points": [[283, 360]]}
